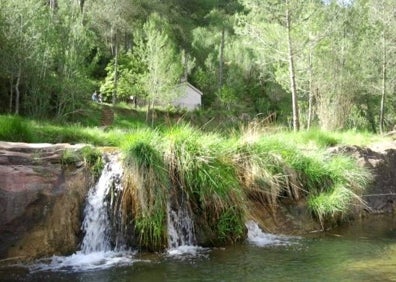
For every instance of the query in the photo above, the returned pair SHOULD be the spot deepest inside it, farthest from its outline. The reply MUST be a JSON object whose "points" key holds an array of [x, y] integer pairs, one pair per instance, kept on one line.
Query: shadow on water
{"points": [[363, 251]]}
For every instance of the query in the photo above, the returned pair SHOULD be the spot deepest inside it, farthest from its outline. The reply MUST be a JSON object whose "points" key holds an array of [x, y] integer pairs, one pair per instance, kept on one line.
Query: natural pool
{"points": [[363, 251]]}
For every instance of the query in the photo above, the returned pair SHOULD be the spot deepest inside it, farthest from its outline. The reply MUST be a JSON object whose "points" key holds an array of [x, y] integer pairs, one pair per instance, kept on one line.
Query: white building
{"points": [[190, 97]]}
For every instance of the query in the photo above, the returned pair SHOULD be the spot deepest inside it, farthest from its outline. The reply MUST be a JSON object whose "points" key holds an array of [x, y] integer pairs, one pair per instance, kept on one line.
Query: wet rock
{"points": [[40, 200]]}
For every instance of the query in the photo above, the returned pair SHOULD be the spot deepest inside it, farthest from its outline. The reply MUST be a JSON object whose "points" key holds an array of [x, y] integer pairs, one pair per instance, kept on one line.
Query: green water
{"points": [[362, 252]]}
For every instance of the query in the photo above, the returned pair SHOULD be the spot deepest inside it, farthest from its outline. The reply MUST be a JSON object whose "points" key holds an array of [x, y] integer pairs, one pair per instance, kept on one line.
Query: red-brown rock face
{"points": [[380, 159], [41, 201]]}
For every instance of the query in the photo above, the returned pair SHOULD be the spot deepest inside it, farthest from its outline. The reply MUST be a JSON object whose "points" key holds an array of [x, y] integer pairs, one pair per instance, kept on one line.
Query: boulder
{"points": [[41, 200]]}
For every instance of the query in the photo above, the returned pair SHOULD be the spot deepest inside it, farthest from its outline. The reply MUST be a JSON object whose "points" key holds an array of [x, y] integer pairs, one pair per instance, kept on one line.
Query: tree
{"points": [[382, 15], [44, 58], [272, 27], [112, 20], [131, 69], [164, 68]]}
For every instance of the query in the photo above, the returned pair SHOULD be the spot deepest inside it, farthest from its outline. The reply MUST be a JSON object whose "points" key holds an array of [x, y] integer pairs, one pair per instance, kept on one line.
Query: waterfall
{"points": [[96, 224], [97, 250], [257, 237], [180, 227], [181, 234]]}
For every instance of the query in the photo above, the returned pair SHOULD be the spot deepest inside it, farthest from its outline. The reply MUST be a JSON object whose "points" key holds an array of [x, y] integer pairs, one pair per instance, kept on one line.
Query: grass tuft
{"points": [[15, 129], [201, 165], [146, 188]]}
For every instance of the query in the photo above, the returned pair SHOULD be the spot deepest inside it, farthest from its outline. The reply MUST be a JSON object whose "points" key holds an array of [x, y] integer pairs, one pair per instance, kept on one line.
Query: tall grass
{"points": [[15, 129], [272, 167], [18, 129], [202, 166], [147, 187], [217, 176], [348, 181], [90, 156], [263, 175]]}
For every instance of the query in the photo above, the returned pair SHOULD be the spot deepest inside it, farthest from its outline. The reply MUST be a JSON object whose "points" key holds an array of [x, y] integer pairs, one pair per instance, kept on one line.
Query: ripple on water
{"points": [[84, 262]]}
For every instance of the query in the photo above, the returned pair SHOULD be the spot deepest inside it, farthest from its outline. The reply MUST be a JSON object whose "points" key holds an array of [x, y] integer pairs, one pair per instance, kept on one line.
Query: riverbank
{"points": [[290, 183], [233, 174]]}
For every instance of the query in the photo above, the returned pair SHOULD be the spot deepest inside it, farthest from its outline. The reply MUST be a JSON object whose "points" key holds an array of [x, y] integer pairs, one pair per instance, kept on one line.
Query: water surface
{"points": [[364, 251]]}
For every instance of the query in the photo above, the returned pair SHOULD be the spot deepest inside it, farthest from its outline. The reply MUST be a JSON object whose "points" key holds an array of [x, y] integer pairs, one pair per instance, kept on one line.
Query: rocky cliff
{"points": [[41, 200], [380, 159]]}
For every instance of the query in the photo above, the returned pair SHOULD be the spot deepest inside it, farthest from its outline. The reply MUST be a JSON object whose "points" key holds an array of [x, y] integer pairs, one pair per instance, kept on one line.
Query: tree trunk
{"points": [[53, 4], [17, 92], [152, 113], [115, 71], [221, 57], [383, 88], [293, 87], [148, 111], [185, 65], [310, 98], [81, 6], [11, 93]]}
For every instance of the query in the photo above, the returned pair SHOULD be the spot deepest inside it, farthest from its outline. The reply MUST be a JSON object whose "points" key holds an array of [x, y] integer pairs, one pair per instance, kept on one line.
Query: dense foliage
{"points": [[325, 63]]}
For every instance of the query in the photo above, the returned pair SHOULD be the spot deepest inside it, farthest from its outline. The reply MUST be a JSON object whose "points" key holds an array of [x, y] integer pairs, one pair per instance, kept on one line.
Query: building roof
{"points": [[192, 87]]}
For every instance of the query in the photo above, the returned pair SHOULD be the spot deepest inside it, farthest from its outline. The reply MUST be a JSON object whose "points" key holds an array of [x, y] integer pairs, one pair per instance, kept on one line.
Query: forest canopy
{"points": [[330, 64]]}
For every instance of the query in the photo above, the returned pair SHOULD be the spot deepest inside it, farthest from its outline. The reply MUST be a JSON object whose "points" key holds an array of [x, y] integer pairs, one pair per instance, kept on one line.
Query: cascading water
{"points": [[181, 234], [96, 222], [180, 228], [96, 248], [257, 237]]}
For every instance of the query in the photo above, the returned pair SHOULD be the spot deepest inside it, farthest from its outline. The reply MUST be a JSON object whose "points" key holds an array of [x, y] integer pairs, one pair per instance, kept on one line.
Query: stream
{"points": [[363, 251]]}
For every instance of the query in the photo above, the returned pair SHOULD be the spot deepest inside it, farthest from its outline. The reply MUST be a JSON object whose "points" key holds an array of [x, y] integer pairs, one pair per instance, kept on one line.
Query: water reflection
{"points": [[365, 251]]}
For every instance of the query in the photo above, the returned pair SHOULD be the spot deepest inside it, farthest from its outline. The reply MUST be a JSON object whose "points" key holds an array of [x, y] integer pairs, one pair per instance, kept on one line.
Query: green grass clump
{"points": [[72, 134], [147, 187], [93, 158], [331, 206], [15, 129], [320, 138], [18, 129], [261, 173], [199, 163], [272, 168], [348, 181], [230, 225], [90, 156], [357, 138]]}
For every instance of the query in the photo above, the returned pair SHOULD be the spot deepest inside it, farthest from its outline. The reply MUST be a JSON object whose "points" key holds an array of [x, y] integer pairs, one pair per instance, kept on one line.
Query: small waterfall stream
{"points": [[180, 228], [258, 238], [181, 233], [96, 224], [96, 251]]}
